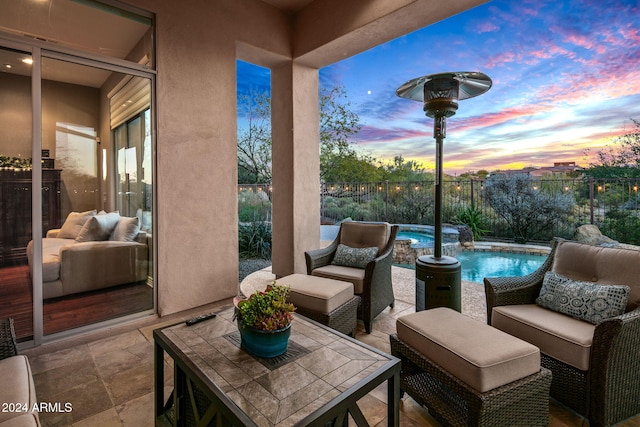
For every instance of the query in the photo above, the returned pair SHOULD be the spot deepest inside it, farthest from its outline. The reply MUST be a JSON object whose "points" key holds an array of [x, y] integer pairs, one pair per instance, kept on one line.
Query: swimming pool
{"points": [[417, 238], [476, 265]]}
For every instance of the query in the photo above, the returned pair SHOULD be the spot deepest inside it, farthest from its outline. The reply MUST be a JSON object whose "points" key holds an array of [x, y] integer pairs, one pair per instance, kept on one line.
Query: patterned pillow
{"points": [[582, 300], [354, 257]]}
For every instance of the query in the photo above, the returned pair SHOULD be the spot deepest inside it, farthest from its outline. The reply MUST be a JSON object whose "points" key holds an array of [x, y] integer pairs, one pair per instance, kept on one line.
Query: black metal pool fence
{"points": [[596, 200]]}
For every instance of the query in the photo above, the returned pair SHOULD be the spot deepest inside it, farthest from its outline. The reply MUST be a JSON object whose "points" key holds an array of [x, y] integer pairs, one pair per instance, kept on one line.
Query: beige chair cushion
{"points": [[557, 335], [477, 354], [317, 293], [346, 274], [17, 385], [365, 235], [601, 265]]}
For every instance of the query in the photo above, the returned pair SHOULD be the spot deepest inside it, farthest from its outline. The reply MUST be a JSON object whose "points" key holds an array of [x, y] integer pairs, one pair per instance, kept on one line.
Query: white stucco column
{"points": [[295, 124]]}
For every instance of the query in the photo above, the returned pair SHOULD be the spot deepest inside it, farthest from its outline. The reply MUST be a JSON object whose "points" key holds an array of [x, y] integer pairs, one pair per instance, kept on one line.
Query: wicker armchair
{"points": [[372, 283], [607, 392], [7, 339]]}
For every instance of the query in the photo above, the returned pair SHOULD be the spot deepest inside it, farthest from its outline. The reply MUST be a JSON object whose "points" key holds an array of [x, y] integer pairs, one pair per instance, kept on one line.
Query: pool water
{"points": [[478, 265], [475, 266], [417, 239]]}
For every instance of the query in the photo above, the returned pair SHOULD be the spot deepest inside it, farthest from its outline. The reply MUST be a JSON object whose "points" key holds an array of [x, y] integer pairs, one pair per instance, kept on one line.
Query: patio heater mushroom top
{"points": [[440, 94]]}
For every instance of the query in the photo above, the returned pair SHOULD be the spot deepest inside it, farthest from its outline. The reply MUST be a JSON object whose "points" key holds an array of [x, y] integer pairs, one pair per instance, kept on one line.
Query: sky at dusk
{"points": [[566, 81]]}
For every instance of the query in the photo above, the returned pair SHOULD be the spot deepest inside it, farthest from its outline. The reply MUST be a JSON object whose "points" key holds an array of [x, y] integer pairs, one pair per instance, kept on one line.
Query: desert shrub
{"points": [[529, 211], [622, 226], [254, 240], [253, 206]]}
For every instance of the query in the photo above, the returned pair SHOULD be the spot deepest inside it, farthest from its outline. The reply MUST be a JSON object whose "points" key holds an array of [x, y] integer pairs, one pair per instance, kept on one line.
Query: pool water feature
{"points": [[417, 239]]}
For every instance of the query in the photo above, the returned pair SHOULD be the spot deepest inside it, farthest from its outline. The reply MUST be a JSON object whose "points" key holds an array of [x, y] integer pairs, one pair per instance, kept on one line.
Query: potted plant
{"points": [[264, 321]]}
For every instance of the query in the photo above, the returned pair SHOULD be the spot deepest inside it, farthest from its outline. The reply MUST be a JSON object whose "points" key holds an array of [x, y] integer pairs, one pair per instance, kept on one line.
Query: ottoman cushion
{"points": [[477, 354], [346, 274], [317, 293]]}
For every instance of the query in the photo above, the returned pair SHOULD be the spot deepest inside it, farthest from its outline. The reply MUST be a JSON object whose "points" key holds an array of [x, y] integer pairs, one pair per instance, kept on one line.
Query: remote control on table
{"points": [[200, 318]]}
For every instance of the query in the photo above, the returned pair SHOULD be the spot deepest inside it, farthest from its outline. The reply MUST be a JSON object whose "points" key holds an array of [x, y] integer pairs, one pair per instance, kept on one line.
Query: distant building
{"points": [[558, 168]]}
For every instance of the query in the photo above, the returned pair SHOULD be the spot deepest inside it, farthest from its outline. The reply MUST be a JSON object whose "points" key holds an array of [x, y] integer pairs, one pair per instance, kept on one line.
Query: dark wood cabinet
{"points": [[15, 211]]}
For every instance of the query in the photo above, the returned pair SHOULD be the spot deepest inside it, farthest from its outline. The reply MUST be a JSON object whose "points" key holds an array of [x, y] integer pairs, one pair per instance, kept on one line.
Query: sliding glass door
{"points": [[16, 296], [77, 151], [96, 251]]}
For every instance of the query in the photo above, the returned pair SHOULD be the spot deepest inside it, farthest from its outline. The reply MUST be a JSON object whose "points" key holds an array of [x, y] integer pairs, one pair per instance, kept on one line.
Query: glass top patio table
{"points": [[319, 379]]}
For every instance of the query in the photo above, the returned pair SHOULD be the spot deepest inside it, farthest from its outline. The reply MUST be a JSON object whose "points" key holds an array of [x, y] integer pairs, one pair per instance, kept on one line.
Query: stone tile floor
{"points": [[107, 376]]}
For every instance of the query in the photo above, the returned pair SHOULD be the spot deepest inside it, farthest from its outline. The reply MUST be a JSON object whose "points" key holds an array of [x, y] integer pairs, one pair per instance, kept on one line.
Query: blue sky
{"points": [[566, 81]]}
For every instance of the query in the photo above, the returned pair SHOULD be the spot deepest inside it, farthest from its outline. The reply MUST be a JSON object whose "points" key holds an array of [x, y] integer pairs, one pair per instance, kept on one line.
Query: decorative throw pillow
{"points": [[126, 230], [582, 300], [98, 227], [354, 257], [74, 223]]}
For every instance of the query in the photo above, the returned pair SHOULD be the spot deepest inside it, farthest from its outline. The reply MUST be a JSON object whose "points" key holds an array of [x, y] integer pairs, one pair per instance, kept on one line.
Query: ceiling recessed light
{"points": [[7, 65], [28, 61]]}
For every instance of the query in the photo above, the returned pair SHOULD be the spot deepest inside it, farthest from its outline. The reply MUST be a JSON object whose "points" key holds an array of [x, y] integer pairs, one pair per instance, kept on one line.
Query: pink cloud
{"points": [[487, 27], [497, 118]]}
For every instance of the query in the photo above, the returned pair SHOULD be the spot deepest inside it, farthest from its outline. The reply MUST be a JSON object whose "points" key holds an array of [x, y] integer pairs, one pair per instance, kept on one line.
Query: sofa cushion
{"points": [[603, 265], [318, 294], [126, 230], [17, 385], [74, 223], [24, 420], [50, 257], [346, 274], [479, 355], [364, 234], [557, 335], [582, 300], [354, 257], [98, 227]]}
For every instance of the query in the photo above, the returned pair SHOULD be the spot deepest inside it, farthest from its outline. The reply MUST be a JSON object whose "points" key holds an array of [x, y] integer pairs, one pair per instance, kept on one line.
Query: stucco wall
{"points": [[197, 236], [197, 43]]}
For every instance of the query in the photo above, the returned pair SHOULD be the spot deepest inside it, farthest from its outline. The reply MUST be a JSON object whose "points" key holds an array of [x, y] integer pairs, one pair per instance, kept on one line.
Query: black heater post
{"points": [[438, 280]]}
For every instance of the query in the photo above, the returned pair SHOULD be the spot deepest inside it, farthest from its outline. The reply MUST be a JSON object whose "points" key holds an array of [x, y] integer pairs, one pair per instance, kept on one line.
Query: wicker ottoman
{"points": [[467, 373], [330, 302]]}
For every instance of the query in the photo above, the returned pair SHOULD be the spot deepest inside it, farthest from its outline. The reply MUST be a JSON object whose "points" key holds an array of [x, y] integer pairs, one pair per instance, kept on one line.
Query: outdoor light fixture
{"points": [[440, 94]]}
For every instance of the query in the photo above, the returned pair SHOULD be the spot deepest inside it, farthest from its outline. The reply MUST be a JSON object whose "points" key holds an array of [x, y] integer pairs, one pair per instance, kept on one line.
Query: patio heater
{"points": [[438, 277]]}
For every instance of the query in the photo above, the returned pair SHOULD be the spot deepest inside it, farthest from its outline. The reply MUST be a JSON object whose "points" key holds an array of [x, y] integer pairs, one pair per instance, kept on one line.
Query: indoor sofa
{"points": [[582, 309], [92, 251]]}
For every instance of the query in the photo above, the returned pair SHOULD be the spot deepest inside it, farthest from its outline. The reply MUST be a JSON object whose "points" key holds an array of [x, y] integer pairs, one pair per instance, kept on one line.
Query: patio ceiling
{"points": [[289, 5]]}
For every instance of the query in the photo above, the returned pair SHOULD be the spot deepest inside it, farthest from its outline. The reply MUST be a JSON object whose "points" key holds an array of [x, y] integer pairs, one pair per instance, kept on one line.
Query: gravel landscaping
{"points": [[248, 266]]}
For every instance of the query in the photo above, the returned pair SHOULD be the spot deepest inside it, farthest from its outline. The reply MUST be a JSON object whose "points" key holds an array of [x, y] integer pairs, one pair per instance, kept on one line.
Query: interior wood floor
{"points": [[68, 312]]}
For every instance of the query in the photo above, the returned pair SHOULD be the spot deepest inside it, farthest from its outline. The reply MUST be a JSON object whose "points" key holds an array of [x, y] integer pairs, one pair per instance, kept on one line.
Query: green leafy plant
{"points": [[254, 240], [474, 219], [267, 310]]}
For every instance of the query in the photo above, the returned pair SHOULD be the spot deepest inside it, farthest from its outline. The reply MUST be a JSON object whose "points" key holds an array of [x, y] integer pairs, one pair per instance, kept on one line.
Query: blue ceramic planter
{"points": [[264, 343]]}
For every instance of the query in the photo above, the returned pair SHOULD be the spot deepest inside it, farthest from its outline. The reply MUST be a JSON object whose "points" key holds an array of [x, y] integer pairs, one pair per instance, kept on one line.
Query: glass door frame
{"points": [[39, 50]]}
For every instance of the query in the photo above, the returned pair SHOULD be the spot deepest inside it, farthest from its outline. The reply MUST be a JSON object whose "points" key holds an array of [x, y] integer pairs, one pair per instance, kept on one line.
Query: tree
{"points": [[527, 210], [401, 170], [339, 161], [620, 160], [254, 143]]}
